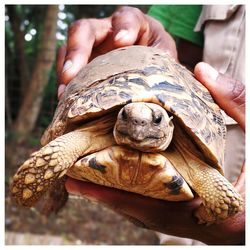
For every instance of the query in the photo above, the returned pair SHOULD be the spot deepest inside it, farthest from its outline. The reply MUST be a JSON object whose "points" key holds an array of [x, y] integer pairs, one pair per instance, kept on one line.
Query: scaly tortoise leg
{"points": [[219, 197], [51, 162]]}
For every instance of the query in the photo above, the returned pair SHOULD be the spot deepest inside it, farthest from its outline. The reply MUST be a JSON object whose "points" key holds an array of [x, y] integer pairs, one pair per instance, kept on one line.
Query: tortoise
{"points": [[136, 120]]}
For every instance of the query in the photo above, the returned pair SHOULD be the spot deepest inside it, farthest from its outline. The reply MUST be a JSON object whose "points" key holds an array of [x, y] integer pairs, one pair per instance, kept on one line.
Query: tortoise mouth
{"points": [[150, 143], [149, 137]]}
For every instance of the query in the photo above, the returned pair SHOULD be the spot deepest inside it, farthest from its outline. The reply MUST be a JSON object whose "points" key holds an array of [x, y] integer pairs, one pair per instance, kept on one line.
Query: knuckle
{"points": [[73, 27], [77, 30], [158, 26], [117, 15], [129, 18], [139, 13], [135, 11], [126, 11], [78, 24], [81, 25], [61, 50], [237, 92]]}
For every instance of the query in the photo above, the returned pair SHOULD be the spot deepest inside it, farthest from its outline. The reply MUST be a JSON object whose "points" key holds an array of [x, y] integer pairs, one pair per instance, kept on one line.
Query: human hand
{"points": [[88, 38], [228, 93], [176, 218]]}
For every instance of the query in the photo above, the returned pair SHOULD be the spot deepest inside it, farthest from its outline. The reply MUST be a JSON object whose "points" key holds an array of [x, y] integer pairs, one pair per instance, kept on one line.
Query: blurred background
{"points": [[32, 35]]}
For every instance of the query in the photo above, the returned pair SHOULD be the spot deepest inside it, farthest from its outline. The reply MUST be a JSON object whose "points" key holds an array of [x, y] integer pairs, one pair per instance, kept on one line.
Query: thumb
{"points": [[228, 93]]}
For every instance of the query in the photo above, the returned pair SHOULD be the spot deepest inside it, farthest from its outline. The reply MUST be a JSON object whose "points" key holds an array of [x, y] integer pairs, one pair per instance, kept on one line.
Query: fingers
{"points": [[174, 218], [61, 53], [144, 211], [160, 38], [129, 25], [78, 50], [118, 200], [240, 183], [229, 94], [88, 38], [83, 35]]}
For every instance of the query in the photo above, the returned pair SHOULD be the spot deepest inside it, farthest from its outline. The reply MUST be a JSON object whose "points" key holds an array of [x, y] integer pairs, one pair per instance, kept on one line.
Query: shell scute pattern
{"points": [[154, 77], [138, 81], [150, 70], [166, 86], [217, 119]]}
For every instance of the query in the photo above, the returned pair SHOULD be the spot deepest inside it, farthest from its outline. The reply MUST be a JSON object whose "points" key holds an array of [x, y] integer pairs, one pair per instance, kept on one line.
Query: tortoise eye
{"points": [[157, 119], [124, 114]]}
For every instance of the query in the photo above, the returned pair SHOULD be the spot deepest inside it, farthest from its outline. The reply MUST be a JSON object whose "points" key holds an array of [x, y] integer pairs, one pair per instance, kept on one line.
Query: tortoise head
{"points": [[144, 126]]}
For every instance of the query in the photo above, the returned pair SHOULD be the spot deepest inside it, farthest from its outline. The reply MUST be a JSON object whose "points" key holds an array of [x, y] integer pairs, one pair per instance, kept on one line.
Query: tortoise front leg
{"points": [[51, 162], [219, 197]]}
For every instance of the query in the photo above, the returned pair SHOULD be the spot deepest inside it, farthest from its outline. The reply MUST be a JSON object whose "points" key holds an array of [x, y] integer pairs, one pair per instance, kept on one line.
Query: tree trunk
{"points": [[32, 101], [8, 110], [18, 34]]}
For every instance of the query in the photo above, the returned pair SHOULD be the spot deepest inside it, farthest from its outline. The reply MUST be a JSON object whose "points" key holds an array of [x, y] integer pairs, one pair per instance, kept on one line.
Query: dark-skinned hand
{"points": [[88, 38]]}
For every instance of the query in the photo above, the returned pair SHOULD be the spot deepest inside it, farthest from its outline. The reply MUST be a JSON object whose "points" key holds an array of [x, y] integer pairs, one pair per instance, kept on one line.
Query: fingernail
{"points": [[209, 71], [68, 64], [121, 34], [60, 90]]}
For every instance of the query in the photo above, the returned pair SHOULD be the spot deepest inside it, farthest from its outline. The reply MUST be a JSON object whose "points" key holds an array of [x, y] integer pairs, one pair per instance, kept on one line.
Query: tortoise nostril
{"points": [[137, 121]]}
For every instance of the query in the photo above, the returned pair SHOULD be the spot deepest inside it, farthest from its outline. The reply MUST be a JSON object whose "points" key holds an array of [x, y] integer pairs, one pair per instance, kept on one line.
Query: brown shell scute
{"points": [[137, 74]]}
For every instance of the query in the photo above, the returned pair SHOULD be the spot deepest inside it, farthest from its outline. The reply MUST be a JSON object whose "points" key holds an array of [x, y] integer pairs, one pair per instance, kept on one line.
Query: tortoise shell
{"points": [[142, 74]]}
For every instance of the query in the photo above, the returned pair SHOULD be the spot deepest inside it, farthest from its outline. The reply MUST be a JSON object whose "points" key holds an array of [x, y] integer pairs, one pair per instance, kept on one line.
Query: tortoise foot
{"points": [[220, 204]]}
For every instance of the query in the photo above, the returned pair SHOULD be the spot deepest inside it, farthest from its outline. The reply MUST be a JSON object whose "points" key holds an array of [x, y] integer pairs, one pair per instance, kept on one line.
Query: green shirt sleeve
{"points": [[179, 20]]}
